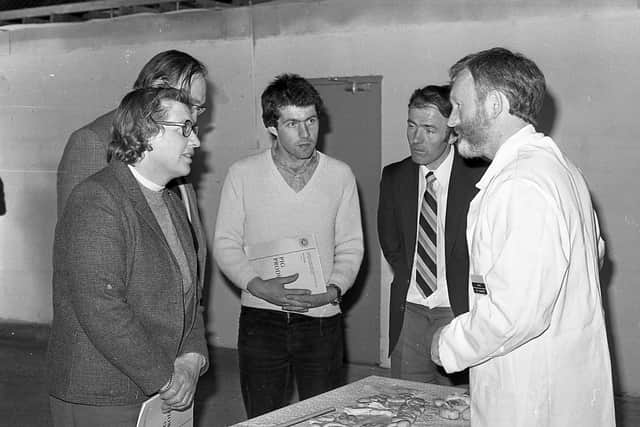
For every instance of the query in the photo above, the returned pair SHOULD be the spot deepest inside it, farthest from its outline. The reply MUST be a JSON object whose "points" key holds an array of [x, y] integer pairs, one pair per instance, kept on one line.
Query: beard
{"points": [[473, 135], [467, 150]]}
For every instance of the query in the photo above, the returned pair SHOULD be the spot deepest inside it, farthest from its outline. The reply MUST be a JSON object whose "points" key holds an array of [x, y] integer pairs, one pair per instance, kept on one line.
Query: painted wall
{"points": [[55, 78]]}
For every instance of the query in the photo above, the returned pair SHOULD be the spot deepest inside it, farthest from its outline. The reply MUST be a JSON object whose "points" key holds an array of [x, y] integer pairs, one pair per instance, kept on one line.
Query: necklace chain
{"points": [[296, 179], [285, 168]]}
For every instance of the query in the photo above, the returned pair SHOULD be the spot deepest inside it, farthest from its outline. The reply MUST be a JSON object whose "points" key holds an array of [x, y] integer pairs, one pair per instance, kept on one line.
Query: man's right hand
{"points": [[273, 291]]}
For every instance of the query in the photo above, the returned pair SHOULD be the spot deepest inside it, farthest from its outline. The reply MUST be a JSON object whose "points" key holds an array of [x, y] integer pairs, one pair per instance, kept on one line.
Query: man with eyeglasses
{"points": [[86, 149], [287, 191], [127, 320]]}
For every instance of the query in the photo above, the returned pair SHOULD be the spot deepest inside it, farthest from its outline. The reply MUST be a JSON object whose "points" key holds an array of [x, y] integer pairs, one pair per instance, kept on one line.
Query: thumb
{"points": [[289, 279]]}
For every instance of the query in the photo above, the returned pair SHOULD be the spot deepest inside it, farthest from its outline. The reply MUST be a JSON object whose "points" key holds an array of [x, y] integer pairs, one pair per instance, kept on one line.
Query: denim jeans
{"points": [[273, 344]]}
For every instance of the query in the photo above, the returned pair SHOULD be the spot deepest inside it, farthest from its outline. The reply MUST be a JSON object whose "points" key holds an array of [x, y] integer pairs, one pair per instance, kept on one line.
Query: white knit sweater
{"points": [[257, 205]]}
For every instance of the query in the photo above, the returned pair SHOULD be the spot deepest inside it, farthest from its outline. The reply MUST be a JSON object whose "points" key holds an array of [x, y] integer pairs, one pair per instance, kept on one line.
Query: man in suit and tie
{"points": [[422, 229]]}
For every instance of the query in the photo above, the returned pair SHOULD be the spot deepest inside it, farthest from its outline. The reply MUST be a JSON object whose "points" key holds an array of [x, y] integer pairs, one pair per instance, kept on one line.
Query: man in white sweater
{"points": [[288, 191]]}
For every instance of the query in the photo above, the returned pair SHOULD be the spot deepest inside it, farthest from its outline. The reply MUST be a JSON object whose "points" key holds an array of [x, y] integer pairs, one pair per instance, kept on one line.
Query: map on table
{"points": [[398, 406]]}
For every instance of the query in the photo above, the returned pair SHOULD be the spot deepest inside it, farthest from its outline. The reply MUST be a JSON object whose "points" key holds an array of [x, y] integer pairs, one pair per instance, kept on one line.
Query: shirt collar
{"points": [[443, 171], [506, 153], [144, 181]]}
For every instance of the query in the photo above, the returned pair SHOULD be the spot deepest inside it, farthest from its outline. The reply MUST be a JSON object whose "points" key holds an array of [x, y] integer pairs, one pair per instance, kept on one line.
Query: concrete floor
{"points": [[24, 401]]}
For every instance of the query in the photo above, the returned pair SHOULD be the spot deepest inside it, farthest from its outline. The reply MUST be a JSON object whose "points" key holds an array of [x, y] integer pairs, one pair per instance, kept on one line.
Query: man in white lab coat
{"points": [[535, 336]]}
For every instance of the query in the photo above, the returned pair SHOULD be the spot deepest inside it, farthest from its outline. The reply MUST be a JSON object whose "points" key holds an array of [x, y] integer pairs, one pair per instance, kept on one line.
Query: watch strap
{"points": [[338, 299]]}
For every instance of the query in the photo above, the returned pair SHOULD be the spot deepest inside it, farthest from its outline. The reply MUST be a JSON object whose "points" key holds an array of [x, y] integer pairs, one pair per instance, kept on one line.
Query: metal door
{"points": [[350, 131]]}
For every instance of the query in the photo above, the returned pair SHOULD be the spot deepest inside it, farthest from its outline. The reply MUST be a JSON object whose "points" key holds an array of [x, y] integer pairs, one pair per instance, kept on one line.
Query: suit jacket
{"points": [[119, 317], [397, 222], [86, 153]]}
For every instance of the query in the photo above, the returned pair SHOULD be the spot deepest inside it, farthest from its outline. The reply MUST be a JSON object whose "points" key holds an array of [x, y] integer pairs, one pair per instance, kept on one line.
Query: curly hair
{"points": [[134, 122], [516, 76], [286, 90]]}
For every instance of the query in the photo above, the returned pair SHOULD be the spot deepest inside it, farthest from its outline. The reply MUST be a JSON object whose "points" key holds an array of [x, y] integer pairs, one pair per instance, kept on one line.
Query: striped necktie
{"points": [[426, 266]]}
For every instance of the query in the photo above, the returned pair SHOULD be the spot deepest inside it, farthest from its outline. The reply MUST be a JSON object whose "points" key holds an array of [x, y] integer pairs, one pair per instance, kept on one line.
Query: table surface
{"points": [[347, 396]]}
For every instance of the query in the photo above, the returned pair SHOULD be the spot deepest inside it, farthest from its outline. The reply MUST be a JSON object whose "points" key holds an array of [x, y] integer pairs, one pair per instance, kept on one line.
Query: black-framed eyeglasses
{"points": [[187, 127]]}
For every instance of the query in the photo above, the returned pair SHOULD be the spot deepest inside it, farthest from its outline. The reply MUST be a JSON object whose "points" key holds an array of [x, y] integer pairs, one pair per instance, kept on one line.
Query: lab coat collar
{"points": [[505, 154]]}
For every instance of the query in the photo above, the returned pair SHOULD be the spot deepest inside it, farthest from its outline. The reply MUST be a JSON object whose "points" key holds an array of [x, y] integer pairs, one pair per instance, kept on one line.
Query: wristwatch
{"points": [[338, 299]]}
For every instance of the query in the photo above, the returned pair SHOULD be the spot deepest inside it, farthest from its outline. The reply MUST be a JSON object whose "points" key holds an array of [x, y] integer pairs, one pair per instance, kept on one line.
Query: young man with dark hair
{"points": [[288, 191], [421, 225]]}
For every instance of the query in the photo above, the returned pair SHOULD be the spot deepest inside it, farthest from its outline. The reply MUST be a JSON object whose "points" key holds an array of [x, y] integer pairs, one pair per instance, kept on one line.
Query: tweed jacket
{"points": [[397, 230], [84, 154], [119, 318]]}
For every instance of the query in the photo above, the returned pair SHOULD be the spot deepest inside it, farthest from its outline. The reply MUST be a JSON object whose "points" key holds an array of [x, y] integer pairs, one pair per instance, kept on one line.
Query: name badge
{"points": [[478, 285]]}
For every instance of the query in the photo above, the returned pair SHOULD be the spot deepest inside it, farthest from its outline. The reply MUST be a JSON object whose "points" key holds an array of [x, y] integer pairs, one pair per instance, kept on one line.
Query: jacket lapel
{"points": [[198, 232], [196, 229], [183, 230], [410, 207], [461, 190], [178, 215], [133, 191]]}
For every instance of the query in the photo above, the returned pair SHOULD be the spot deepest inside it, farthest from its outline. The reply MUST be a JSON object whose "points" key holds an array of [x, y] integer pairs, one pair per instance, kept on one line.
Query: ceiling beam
{"points": [[210, 4], [252, 2], [65, 18], [85, 6], [34, 20]]}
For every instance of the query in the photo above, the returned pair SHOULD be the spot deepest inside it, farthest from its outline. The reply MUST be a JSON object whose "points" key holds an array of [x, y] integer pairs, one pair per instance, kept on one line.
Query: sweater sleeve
{"points": [[229, 239], [349, 243]]}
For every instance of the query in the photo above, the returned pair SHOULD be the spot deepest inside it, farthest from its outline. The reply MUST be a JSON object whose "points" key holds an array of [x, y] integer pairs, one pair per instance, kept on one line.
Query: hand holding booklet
{"points": [[151, 415], [288, 256]]}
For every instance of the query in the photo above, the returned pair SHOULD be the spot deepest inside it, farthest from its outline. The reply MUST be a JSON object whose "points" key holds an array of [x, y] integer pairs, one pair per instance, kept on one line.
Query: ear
{"points": [[496, 103], [142, 159], [453, 137], [273, 131]]}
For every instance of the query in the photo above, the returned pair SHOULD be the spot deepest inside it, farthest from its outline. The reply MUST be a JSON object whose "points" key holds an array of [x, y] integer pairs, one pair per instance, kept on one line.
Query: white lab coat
{"points": [[535, 334]]}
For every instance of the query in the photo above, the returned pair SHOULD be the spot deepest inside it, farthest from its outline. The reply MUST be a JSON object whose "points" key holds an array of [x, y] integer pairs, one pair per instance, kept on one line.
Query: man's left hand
{"points": [[316, 300], [186, 371], [435, 347]]}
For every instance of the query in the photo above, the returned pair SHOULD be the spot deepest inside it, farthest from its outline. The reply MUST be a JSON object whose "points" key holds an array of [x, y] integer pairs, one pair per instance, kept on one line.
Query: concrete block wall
{"points": [[56, 77]]}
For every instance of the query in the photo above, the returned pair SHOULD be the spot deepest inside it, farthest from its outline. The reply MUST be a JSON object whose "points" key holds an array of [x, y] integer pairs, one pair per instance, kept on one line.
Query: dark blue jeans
{"points": [[273, 344]]}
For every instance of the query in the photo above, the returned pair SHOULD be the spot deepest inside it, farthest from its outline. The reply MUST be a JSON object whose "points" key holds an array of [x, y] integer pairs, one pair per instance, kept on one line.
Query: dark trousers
{"points": [[411, 358], [272, 345], [65, 414]]}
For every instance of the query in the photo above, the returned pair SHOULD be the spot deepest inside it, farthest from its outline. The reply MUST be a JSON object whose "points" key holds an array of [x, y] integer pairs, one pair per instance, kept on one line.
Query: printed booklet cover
{"points": [[151, 415], [288, 256]]}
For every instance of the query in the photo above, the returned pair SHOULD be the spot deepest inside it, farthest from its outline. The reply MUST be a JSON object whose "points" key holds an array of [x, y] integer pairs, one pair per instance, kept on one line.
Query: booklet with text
{"points": [[287, 256], [151, 415]]}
